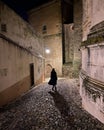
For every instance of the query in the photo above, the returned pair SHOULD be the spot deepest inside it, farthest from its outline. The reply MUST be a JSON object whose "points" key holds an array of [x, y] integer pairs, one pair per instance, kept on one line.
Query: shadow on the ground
{"points": [[62, 106], [16, 102]]}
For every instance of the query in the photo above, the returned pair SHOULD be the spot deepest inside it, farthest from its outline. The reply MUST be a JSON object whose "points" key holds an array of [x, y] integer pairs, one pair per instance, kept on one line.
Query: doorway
{"points": [[32, 74]]}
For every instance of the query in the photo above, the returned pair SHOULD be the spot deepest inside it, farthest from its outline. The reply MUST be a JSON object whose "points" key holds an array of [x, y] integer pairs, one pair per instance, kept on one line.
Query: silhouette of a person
{"points": [[53, 80]]}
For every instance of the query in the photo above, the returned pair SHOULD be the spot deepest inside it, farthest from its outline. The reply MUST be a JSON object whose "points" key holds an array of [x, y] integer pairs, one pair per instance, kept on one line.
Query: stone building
{"points": [[72, 37], [92, 49], [82, 45], [46, 20], [72, 42], [60, 27], [32, 56], [35, 49], [21, 55]]}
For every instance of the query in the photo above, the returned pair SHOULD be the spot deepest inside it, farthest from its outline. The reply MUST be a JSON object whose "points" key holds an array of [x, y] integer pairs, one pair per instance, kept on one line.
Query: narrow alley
{"points": [[43, 109]]}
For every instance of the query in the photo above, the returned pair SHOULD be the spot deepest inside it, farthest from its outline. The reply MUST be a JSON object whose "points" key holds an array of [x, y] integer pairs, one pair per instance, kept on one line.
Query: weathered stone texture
{"points": [[19, 31], [92, 93], [87, 11], [77, 36], [93, 61], [19, 47], [54, 58], [46, 20], [72, 42], [97, 12], [49, 15], [92, 73], [69, 42]]}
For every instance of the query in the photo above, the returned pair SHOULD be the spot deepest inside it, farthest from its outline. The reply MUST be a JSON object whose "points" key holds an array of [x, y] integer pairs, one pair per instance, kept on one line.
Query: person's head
{"points": [[53, 69]]}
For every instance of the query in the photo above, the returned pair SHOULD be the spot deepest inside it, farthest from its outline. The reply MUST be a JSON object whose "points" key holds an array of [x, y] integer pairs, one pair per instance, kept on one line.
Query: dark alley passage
{"points": [[43, 109]]}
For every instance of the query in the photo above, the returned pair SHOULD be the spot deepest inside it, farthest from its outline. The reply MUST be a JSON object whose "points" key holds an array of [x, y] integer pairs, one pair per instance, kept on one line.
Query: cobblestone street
{"points": [[43, 109]]}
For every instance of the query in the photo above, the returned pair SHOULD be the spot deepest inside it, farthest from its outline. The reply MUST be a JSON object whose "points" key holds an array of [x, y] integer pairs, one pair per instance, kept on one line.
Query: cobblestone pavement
{"points": [[43, 109]]}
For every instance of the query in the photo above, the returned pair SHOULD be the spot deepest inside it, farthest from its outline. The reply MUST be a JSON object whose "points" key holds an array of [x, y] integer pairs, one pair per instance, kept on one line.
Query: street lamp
{"points": [[47, 51]]}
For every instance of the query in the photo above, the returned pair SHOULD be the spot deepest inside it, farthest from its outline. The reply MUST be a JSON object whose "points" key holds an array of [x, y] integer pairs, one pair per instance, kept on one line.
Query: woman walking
{"points": [[53, 80]]}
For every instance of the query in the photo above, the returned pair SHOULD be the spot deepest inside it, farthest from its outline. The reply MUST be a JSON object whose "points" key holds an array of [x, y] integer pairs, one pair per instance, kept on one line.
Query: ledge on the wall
{"points": [[68, 63], [96, 35], [93, 40], [88, 79]]}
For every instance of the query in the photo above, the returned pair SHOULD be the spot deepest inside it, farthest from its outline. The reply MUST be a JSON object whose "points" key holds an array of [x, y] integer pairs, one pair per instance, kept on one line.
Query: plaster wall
{"points": [[19, 47], [19, 30]]}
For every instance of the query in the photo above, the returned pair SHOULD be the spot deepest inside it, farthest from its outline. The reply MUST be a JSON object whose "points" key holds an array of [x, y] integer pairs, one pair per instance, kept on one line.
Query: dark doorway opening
{"points": [[32, 74]]}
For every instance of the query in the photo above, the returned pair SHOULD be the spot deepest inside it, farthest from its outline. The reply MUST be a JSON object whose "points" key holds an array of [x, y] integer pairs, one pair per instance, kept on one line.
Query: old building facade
{"points": [[72, 37], [57, 47], [92, 49], [46, 20], [62, 33], [21, 56], [72, 42]]}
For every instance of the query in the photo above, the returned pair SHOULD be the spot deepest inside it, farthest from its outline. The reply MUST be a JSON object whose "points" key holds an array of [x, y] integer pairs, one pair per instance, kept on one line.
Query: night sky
{"points": [[22, 6]]}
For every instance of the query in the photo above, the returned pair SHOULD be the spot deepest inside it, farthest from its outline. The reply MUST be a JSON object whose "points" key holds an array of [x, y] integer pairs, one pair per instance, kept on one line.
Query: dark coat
{"points": [[53, 78]]}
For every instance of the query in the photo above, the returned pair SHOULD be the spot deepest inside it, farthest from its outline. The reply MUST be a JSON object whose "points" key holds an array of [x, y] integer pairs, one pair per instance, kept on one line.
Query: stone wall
{"points": [[69, 42], [72, 42], [92, 61], [54, 58], [46, 19], [20, 48], [87, 11], [67, 69], [97, 11], [92, 72], [77, 36], [19, 31]]}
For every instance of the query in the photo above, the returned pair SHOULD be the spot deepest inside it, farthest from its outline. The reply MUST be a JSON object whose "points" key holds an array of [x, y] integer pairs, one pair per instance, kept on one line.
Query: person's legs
{"points": [[54, 88]]}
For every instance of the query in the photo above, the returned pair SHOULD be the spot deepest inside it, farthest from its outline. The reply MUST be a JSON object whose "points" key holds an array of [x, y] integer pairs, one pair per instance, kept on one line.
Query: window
{"points": [[3, 28], [44, 29]]}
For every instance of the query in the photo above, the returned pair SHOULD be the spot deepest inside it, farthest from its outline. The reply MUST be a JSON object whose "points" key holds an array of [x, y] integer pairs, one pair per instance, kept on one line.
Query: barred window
{"points": [[3, 28], [44, 29]]}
